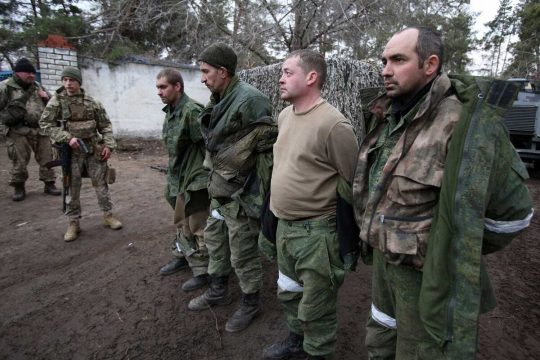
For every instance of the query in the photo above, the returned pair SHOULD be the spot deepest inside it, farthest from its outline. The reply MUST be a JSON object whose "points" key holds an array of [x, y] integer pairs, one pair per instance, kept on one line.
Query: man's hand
{"points": [[43, 95], [74, 143], [105, 153]]}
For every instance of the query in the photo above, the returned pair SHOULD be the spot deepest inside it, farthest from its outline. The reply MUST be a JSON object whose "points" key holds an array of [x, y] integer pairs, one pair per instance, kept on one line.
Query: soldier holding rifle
{"points": [[71, 116]]}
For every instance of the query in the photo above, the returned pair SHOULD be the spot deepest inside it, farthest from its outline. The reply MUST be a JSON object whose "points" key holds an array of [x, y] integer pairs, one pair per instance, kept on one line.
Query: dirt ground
{"points": [[100, 297]]}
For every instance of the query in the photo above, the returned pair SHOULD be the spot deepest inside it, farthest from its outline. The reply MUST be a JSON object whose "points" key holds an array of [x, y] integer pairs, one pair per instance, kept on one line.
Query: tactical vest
{"points": [[79, 116]]}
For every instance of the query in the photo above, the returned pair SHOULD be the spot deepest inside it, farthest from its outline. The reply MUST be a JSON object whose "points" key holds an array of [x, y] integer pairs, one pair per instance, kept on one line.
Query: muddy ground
{"points": [[100, 297]]}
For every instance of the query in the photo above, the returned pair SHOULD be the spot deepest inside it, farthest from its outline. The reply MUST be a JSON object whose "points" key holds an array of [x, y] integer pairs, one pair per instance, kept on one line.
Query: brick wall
{"points": [[55, 54]]}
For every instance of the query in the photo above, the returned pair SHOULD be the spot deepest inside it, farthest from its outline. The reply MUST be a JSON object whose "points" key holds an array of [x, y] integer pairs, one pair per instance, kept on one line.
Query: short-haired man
{"points": [[22, 100], [316, 148], [437, 185], [239, 133], [71, 116], [186, 178]]}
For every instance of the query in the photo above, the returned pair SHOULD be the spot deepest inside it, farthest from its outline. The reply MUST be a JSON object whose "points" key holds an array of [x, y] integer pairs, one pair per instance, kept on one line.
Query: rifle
{"points": [[65, 162], [160, 168]]}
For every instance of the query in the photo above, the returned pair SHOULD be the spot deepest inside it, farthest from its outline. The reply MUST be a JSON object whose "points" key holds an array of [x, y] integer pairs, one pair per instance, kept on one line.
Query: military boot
{"points": [[112, 222], [72, 231], [19, 192], [51, 189], [195, 283], [216, 294], [250, 307], [175, 265], [291, 346]]}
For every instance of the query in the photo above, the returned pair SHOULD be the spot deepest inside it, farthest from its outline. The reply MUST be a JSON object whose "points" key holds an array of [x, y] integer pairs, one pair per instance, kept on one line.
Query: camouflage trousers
{"points": [[310, 274], [96, 169], [189, 240], [232, 242], [20, 144], [394, 328]]}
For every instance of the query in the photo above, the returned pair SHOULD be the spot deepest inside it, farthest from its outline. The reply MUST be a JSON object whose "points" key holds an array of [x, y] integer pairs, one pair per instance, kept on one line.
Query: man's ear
{"points": [[431, 65], [222, 72], [312, 77], [178, 87]]}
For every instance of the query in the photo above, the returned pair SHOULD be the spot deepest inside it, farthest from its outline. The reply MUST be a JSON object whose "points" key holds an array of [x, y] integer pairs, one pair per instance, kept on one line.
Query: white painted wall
{"points": [[128, 93]]}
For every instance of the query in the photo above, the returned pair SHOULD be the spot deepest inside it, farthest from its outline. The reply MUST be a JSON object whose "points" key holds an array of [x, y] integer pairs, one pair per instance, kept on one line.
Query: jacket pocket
{"points": [[404, 235], [82, 129], [415, 185]]}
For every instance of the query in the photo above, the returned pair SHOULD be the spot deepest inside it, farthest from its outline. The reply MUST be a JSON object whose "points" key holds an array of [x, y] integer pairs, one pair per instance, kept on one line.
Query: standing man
{"points": [[239, 133], [437, 185], [186, 178], [316, 148], [72, 116], [22, 100]]}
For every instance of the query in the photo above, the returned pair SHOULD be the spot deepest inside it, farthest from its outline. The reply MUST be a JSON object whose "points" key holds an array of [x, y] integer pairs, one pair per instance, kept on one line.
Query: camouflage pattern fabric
{"points": [[189, 241], [19, 149], [403, 177], [83, 117], [186, 182], [23, 135], [446, 193], [483, 184], [238, 115], [241, 119], [395, 293], [185, 147], [232, 243], [96, 169], [311, 273], [11, 91], [79, 108]]}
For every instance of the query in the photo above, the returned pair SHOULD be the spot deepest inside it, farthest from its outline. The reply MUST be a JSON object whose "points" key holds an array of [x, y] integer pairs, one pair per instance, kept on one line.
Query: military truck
{"points": [[523, 123]]}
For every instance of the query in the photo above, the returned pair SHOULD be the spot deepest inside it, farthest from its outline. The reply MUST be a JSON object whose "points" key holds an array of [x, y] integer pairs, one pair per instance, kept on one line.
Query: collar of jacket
{"points": [[215, 99], [61, 91], [400, 109], [16, 83], [179, 106], [440, 86]]}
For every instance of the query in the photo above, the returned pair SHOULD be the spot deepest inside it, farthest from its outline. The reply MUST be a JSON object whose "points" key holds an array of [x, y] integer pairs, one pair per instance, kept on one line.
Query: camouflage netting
{"points": [[350, 86]]}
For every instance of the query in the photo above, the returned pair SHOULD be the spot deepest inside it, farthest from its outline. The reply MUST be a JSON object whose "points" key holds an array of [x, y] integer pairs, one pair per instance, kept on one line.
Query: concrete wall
{"points": [[128, 93]]}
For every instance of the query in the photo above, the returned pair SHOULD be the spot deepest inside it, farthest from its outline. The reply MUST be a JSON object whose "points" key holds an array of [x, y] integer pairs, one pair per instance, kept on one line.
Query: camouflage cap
{"points": [[220, 55], [72, 72]]}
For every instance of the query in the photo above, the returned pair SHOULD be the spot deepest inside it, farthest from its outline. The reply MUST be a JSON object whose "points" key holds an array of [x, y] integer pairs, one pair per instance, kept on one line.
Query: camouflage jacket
{"points": [[80, 116], [239, 133], [483, 204], [396, 216], [32, 105], [473, 202], [185, 146]]}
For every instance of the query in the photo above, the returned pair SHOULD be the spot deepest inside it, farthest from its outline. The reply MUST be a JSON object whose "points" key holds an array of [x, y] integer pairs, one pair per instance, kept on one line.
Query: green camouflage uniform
{"points": [[187, 181], [20, 110], [431, 179], [83, 117], [239, 133]]}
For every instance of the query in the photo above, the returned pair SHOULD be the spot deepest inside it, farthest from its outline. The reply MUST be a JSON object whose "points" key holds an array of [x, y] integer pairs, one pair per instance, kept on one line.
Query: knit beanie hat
{"points": [[24, 65], [220, 55], [72, 72]]}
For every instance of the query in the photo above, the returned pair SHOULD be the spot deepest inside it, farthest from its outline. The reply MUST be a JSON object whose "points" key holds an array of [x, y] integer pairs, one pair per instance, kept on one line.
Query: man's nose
{"points": [[387, 70]]}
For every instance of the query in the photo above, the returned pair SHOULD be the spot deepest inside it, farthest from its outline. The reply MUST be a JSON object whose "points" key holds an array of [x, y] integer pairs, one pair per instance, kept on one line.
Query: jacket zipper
{"points": [[466, 155]]}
